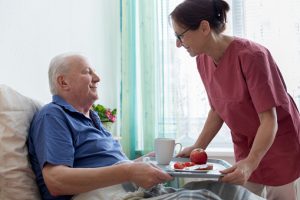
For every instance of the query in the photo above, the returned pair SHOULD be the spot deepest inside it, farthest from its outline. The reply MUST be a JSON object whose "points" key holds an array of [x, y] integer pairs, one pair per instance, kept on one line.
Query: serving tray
{"points": [[218, 164]]}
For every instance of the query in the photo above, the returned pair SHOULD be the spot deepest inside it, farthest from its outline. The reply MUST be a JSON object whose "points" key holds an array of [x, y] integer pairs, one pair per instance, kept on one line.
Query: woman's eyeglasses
{"points": [[180, 36]]}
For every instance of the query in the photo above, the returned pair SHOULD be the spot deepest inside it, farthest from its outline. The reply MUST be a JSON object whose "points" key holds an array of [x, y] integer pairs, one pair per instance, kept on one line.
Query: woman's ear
{"points": [[204, 27]]}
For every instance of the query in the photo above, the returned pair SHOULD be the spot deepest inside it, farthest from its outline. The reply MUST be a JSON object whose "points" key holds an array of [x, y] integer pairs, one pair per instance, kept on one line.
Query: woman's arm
{"points": [[211, 127], [264, 137], [266, 132]]}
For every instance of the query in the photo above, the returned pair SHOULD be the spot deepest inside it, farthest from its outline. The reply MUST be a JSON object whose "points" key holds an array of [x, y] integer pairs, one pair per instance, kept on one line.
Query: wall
{"points": [[33, 31]]}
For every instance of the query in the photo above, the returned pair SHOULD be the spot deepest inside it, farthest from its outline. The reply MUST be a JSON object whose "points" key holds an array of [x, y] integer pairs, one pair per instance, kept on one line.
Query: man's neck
{"points": [[80, 106]]}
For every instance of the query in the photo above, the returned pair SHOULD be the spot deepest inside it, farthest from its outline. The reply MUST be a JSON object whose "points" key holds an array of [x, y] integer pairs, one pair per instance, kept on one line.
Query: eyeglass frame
{"points": [[179, 36]]}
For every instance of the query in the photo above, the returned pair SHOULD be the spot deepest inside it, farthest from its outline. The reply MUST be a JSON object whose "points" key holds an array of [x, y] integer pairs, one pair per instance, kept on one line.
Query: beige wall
{"points": [[33, 31]]}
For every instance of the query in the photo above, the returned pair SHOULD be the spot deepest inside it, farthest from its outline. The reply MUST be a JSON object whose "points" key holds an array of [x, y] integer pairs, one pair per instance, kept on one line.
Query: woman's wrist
{"points": [[253, 162]]}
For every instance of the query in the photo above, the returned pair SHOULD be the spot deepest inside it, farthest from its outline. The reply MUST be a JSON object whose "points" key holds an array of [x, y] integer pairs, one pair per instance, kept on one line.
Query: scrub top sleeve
{"points": [[53, 142], [264, 81], [199, 62], [210, 103]]}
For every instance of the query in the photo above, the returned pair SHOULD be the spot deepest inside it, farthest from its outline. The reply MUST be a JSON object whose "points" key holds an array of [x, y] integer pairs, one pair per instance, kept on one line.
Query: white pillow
{"points": [[17, 180]]}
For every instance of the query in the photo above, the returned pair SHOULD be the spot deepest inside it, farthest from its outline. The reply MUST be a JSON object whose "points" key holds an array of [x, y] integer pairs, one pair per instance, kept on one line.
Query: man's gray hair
{"points": [[59, 65]]}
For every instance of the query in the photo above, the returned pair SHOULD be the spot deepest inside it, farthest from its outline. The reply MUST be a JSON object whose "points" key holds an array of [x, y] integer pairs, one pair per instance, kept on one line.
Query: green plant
{"points": [[105, 114]]}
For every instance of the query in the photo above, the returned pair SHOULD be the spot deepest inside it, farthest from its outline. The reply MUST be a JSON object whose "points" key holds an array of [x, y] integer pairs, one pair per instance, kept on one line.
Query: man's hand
{"points": [[140, 159], [146, 175]]}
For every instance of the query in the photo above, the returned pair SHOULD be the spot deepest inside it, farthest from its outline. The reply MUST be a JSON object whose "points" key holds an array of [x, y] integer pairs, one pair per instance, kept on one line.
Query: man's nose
{"points": [[96, 77]]}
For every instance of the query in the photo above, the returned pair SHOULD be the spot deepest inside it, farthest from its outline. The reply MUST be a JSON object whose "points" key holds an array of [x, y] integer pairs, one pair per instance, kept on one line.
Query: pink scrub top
{"points": [[246, 82]]}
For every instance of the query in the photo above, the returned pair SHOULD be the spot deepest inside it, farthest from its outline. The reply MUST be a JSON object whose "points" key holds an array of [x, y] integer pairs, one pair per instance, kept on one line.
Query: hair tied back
{"points": [[216, 10]]}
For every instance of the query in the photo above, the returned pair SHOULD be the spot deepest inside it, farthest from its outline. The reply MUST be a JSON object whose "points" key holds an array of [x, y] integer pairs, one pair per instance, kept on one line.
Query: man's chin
{"points": [[95, 97]]}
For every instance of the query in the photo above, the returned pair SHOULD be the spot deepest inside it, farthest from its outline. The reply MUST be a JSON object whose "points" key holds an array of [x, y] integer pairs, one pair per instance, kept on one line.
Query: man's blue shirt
{"points": [[60, 135]]}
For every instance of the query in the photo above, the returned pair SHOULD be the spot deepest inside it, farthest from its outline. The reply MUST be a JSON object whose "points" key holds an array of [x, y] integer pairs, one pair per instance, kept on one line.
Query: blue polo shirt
{"points": [[60, 135]]}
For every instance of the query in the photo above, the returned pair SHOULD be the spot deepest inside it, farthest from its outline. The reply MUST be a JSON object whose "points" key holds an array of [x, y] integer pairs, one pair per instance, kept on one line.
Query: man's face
{"points": [[82, 81]]}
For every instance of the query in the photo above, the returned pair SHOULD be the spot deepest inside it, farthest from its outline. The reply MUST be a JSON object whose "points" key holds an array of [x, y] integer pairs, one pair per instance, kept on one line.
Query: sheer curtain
{"points": [[128, 116], [185, 105], [162, 93], [138, 76], [277, 26]]}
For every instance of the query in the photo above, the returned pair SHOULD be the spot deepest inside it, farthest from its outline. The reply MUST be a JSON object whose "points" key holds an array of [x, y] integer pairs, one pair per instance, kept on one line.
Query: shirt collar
{"points": [[61, 102]]}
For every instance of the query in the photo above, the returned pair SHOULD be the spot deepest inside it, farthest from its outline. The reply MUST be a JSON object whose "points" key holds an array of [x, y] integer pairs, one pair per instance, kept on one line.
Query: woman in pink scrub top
{"points": [[246, 91]]}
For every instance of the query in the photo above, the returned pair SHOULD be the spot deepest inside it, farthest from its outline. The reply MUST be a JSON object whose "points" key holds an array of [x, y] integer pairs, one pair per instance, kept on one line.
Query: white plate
{"points": [[194, 168], [218, 165]]}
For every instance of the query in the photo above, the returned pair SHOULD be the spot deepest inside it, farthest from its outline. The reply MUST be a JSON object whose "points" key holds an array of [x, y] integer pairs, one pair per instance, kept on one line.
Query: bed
{"points": [[17, 180]]}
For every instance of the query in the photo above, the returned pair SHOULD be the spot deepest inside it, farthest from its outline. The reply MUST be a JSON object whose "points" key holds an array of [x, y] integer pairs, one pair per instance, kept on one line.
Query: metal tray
{"points": [[218, 165]]}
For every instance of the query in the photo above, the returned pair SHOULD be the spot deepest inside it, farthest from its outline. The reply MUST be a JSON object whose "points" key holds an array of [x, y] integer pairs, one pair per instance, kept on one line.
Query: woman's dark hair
{"points": [[190, 13]]}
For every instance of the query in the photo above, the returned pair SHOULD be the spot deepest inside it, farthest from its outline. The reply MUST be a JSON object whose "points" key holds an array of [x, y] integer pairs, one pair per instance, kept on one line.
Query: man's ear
{"points": [[62, 82], [204, 27]]}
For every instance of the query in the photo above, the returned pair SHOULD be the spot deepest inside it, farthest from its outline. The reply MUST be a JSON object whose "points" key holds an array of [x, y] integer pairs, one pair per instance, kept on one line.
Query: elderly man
{"points": [[70, 151]]}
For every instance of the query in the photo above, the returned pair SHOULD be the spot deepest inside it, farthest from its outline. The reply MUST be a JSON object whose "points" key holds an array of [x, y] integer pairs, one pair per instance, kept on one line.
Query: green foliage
{"points": [[105, 114]]}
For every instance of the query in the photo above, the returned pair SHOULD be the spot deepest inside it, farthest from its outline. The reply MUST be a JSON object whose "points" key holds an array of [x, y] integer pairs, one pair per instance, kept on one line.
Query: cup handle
{"points": [[179, 148]]}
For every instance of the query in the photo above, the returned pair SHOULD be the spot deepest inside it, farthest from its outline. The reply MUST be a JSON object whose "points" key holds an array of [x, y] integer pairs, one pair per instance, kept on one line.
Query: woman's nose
{"points": [[178, 43]]}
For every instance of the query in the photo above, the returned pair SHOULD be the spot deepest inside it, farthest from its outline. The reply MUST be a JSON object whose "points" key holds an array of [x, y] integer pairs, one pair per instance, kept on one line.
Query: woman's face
{"points": [[192, 40]]}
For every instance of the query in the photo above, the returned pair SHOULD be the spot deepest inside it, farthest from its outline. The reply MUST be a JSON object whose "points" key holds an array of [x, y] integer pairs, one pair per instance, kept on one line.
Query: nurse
{"points": [[246, 91]]}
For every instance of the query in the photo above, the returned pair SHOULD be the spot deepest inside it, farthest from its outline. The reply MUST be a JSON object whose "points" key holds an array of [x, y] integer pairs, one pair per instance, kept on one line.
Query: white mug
{"points": [[164, 150]]}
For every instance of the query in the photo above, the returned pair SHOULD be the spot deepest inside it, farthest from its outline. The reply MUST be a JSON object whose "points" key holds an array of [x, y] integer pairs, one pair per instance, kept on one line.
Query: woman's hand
{"points": [[186, 151], [239, 173]]}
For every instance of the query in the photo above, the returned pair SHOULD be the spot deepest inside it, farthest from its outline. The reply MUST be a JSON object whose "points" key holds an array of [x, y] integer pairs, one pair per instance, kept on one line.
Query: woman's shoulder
{"points": [[247, 47]]}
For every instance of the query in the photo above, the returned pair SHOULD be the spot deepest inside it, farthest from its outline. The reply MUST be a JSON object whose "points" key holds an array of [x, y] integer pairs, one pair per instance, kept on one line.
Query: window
{"points": [[184, 105]]}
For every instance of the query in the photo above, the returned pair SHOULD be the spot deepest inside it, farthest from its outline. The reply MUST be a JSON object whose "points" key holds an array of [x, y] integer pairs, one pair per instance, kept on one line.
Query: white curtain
{"points": [[183, 103]]}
